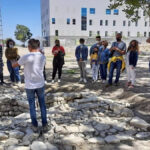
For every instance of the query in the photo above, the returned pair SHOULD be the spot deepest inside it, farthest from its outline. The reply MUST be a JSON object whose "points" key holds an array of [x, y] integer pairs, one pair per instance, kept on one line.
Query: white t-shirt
{"points": [[33, 69]]}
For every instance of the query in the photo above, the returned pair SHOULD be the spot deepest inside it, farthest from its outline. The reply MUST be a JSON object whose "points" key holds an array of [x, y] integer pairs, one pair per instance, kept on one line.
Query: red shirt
{"points": [[56, 49]]}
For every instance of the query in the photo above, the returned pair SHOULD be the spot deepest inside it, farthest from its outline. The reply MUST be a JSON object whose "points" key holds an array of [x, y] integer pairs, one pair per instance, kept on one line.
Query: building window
{"points": [[144, 13], [138, 34], [124, 23], [128, 34], [84, 19], [106, 33], [145, 23], [68, 21], [136, 23], [90, 22], [73, 21], [101, 22], [108, 11], [106, 22], [116, 12], [90, 33], [98, 32], [129, 23], [56, 33], [145, 34], [137, 13], [114, 22], [92, 10], [53, 21]]}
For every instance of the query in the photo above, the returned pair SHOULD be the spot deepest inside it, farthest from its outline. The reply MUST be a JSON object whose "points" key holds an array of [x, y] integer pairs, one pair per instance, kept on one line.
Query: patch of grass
{"points": [[71, 71]]}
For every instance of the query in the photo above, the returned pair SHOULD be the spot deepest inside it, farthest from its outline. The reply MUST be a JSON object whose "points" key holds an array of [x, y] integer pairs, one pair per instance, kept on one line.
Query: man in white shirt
{"points": [[34, 81]]}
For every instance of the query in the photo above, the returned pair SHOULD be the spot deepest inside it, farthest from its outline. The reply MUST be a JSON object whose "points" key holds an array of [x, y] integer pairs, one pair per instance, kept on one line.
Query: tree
{"points": [[22, 33], [131, 7]]}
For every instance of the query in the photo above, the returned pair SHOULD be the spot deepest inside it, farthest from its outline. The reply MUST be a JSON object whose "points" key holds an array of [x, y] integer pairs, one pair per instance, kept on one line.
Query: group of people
{"points": [[104, 59]]}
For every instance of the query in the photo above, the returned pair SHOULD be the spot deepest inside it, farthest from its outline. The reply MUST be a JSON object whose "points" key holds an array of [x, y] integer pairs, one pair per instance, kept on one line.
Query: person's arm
{"points": [[15, 65], [86, 52], [91, 49], [6, 53], [122, 52], [76, 53]]}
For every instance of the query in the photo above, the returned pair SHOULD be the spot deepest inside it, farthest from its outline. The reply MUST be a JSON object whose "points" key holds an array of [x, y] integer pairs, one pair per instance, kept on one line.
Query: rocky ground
{"points": [[82, 116]]}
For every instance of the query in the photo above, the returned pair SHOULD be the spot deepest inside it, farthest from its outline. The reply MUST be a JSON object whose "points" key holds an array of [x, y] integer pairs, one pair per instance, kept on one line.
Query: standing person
{"points": [[97, 44], [118, 49], [103, 54], [34, 81], [1, 65], [11, 54], [94, 64], [58, 60], [81, 54], [131, 62]]}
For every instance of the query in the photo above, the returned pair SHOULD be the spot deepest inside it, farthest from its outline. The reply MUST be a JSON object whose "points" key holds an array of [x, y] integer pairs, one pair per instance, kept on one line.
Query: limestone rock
{"points": [[96, 140], [142, 135], [112, 139], [16, 134], [18, 148], [3, 136]]}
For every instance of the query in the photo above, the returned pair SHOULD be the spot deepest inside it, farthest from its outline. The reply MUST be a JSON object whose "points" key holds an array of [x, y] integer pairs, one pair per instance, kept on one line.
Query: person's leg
{"points": [[59, 71], [10, 69], [41, 98], [118, 70], [133, 75], [84, 69], [31, 100], [97, 69], [17, 74], [93, 72], [111, 72], [104, 71], [101, 71], [128, 73], [80, 67], [54, 70]]}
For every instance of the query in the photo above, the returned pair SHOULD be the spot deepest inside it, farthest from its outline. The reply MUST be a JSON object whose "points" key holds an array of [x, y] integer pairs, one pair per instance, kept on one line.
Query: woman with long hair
{"points": [[131, 62], [11, 54]]}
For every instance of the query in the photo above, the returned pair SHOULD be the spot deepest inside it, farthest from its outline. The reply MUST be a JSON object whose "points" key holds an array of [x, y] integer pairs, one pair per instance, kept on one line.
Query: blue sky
{"points": [[25, 12]]}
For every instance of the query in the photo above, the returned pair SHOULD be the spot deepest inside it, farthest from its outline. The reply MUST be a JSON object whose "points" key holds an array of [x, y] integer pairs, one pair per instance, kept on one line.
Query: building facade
{"points": [[69, 20]]}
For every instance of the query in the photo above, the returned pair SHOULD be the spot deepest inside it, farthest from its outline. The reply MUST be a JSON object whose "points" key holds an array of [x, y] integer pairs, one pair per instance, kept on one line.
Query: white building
{"points": [[71, 19]]}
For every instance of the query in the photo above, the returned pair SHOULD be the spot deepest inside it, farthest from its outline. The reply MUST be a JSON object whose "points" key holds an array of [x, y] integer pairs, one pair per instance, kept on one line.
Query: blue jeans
{"points": [[14, 72], [117, 65], [41, 99], [103, 71]]}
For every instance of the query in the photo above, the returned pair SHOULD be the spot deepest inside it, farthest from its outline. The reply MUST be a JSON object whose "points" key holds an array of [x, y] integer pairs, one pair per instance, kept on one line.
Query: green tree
{"points": [[22, 33], [131, 7]]}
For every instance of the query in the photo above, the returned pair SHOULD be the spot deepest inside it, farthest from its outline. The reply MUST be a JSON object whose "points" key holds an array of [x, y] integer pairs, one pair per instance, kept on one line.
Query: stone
{"points": [[16, 134], [73, 140], [142, 135], [96, 140], [139, 123], [3, 136], [127, 112], [1, 147], [37, 145], [51, 147], [112, 139], [18, 148], [11, 142], [102, 127]]}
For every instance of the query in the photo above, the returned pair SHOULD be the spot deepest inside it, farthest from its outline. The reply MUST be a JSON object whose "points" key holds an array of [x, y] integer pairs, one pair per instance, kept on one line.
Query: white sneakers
{"points": [[84, 80], [81, 79], [53, 81]]}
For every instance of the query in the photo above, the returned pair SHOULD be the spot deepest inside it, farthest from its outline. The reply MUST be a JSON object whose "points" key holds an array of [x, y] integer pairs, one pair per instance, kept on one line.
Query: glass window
{"points": [[56, 33], [124, 23], [92, 10], [114, 22], [98, 32], [145, 23], [68, 21], [144, 13], [90, 33], [108, 11], [84, 19], [106, 22], [129, 23], [128, 34], [90, 22], [101, 22], [116, 12], [73, 21], [53, 21], [136, 23], [145, 34], [106, 33]]}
